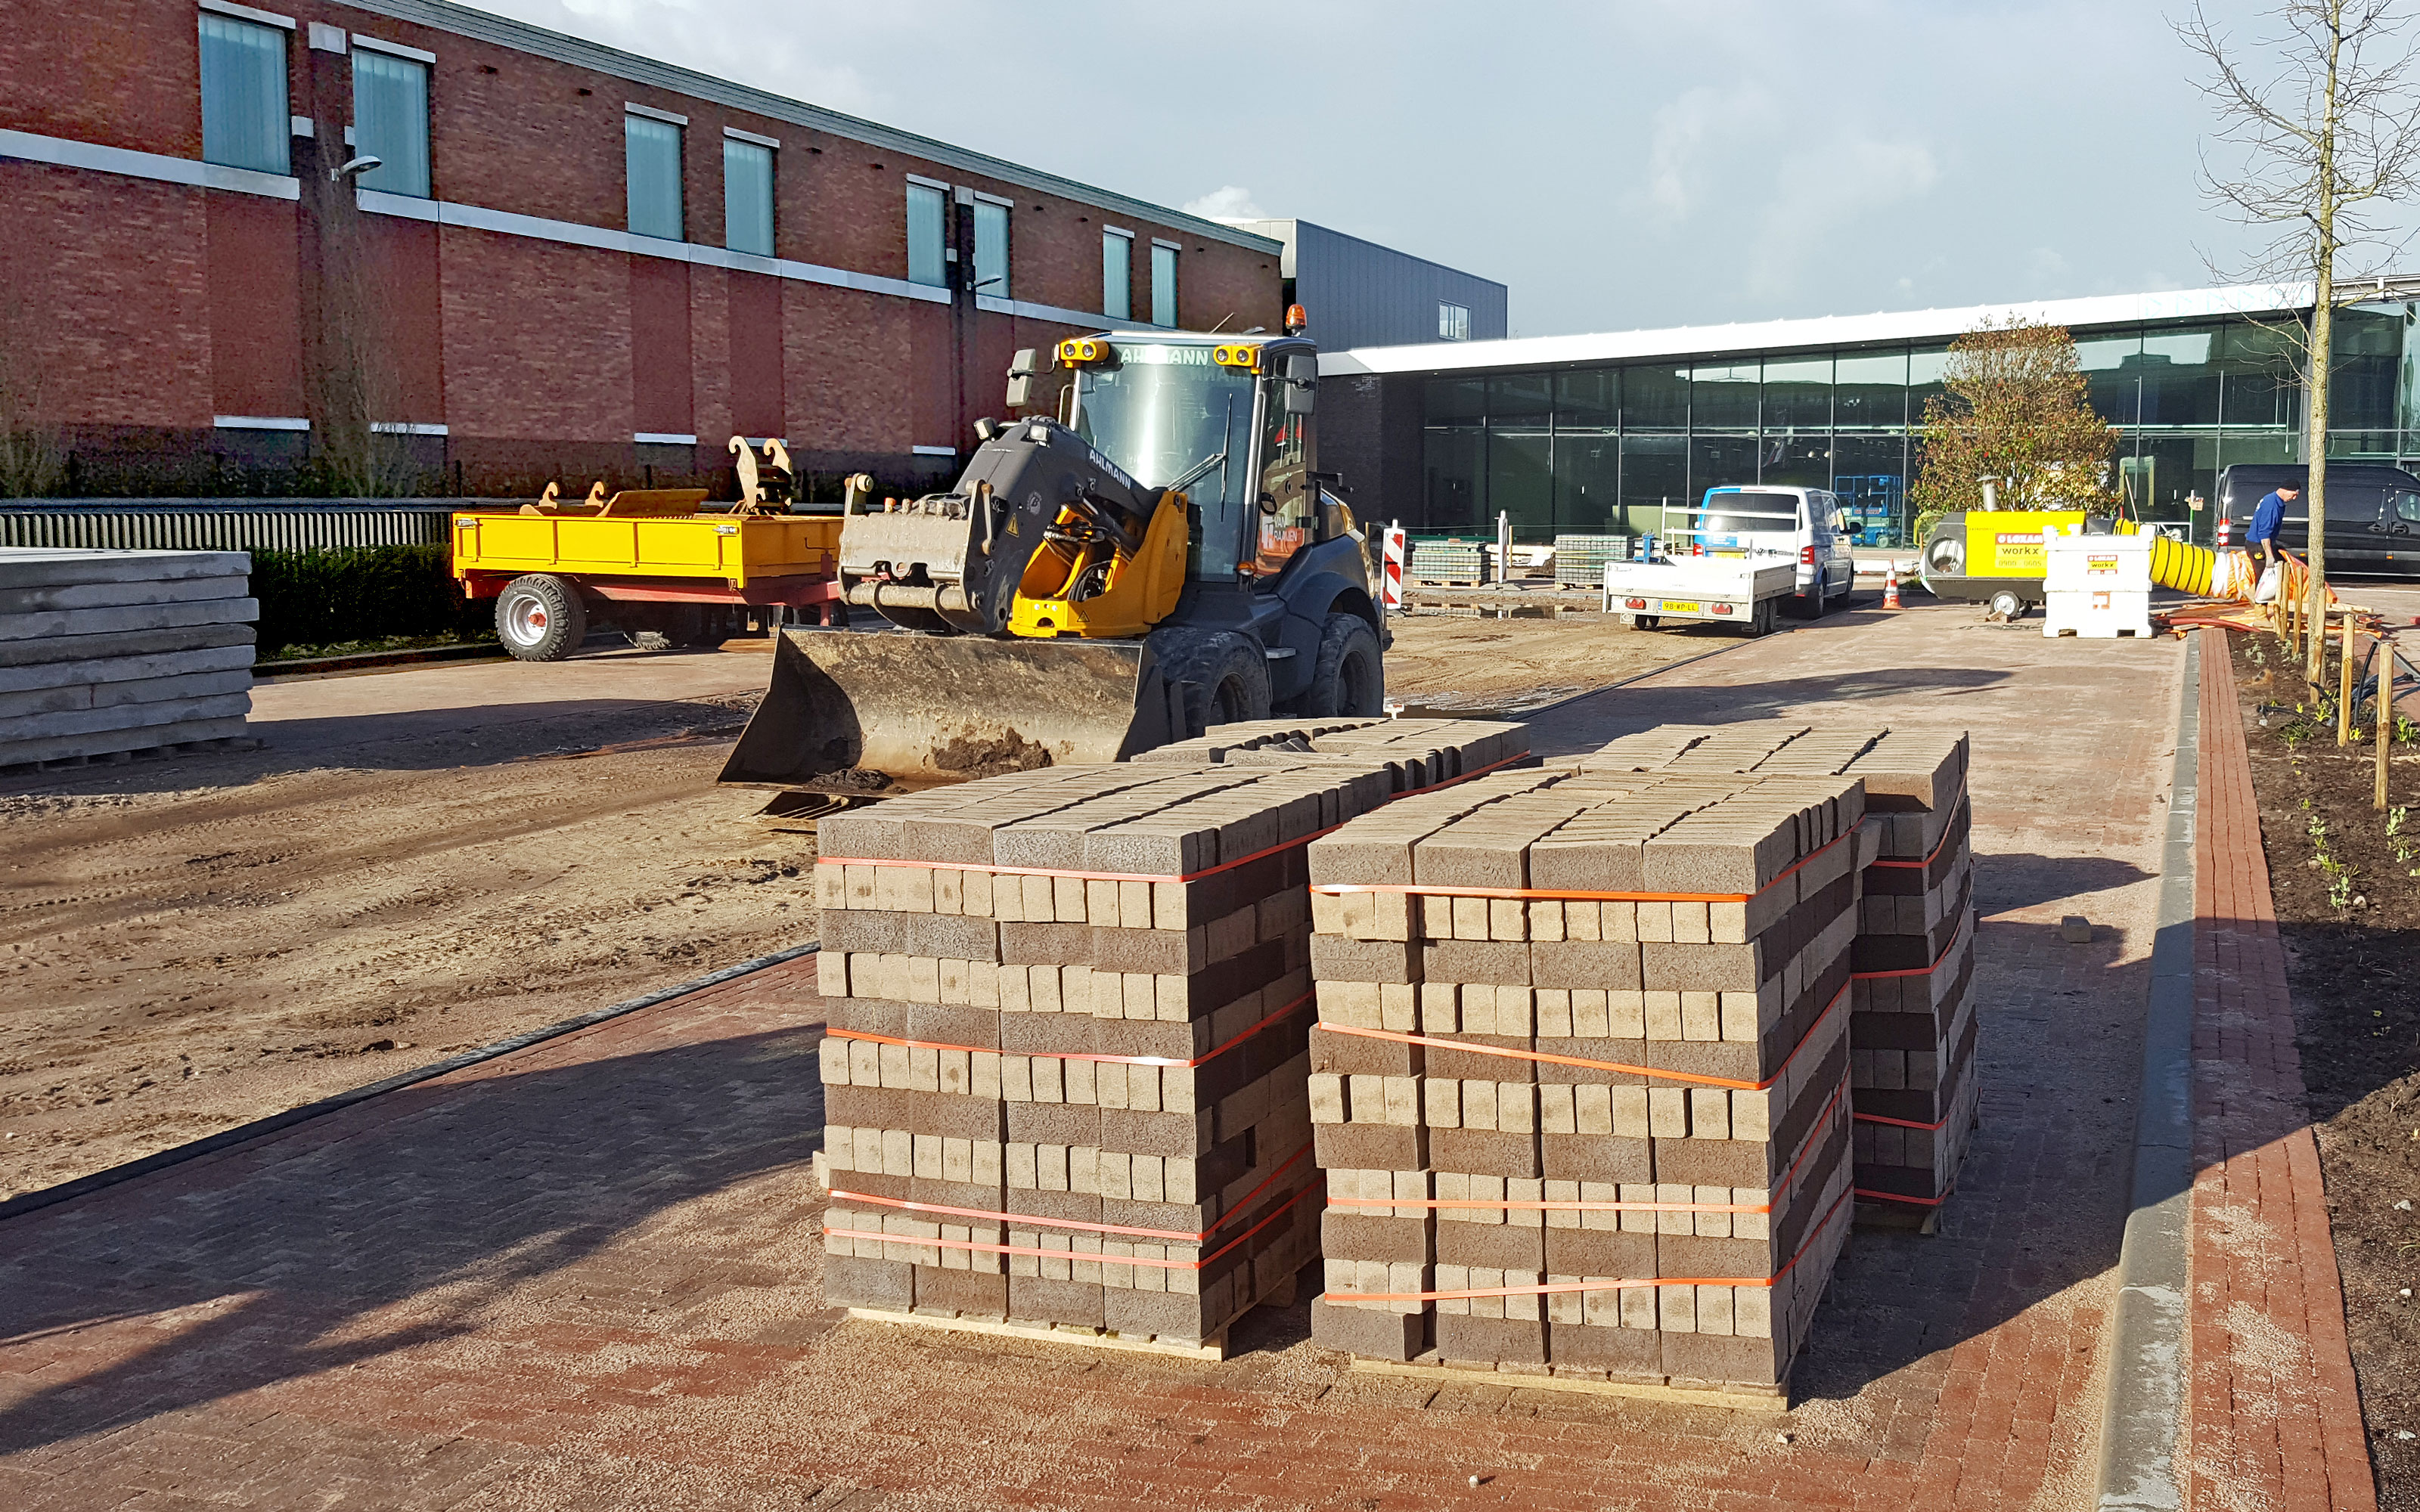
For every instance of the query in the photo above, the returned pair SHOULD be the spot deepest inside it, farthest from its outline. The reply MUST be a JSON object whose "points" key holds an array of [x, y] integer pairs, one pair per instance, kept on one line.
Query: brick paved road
{"points": [[2274, 1405], [584, 1275]]}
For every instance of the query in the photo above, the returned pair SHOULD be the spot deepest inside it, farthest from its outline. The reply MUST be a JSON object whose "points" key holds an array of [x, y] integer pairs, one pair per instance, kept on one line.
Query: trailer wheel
{"points": [[540, 618], [1643, 622], [2006, 605], [1349, 678], [1762, 622]]}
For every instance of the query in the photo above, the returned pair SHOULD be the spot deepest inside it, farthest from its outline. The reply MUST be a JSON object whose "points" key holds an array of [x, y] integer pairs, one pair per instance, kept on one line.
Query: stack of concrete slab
{"points": [[1579, 1080], [107, 653], [1918, 1091], [1913, 1024], [1066, 1084]]}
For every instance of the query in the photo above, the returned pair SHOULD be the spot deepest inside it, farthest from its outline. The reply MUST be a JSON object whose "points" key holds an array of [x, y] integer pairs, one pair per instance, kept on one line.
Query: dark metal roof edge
{"points": [[442, 15], [1397, 252]]}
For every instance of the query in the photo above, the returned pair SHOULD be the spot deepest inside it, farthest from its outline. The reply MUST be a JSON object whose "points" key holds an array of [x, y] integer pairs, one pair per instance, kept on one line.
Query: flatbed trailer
{"points": [[1714, 590], [643, 560]]}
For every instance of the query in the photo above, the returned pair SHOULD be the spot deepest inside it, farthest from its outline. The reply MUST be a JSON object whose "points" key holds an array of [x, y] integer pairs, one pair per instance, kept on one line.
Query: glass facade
{"points": [[1609, 448]]}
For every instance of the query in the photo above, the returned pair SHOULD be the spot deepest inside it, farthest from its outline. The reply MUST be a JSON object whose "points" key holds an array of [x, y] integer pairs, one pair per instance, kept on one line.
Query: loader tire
{"points": [[1229, 673], [1349, 678], [540, 618]]}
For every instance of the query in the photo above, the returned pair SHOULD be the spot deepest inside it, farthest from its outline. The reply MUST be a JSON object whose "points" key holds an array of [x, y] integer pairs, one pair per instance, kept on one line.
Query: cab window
{"points": [[2403, 506], [1288, 500]]}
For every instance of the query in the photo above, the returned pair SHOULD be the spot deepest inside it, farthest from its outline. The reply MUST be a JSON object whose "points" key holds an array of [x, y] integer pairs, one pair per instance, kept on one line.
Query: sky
{"points": [[1620, 165]]}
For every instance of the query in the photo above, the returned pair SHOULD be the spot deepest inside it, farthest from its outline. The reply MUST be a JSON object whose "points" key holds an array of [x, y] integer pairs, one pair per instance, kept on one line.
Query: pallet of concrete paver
{"points": [[1912, 1025], [1066, 1082], [1580, 1074], [107, 653]]}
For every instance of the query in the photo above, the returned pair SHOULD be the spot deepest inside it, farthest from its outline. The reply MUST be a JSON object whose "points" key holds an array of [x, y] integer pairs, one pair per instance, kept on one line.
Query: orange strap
{"points": [[1551, 1288], [1085, 1256], [1585, 1064], [1028, 1220], [1902, 1124], [1894, 1196], [1079, 1054], [991, 870], [1945, 832], [1549, 895], [1947, 952], [1814, 1135]]}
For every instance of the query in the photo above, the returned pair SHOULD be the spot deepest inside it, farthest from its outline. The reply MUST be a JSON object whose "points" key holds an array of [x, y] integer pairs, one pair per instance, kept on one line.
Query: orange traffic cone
{"points": [[1891, 590]]}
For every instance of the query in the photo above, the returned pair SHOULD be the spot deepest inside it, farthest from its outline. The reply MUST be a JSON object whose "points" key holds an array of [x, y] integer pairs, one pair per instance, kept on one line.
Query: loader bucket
{"points": [[870, 713]]}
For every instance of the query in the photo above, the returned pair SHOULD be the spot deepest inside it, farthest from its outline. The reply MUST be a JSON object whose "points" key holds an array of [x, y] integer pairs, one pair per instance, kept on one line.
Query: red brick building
{"points": [[569, 262]]}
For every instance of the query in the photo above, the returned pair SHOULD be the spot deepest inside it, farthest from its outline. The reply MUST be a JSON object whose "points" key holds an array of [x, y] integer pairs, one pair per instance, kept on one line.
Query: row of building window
{"points": [[245, 124]]}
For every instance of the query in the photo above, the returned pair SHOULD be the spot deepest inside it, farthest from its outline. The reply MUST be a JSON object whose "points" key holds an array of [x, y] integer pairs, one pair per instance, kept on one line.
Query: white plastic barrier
{"points": [[2098, 586]]}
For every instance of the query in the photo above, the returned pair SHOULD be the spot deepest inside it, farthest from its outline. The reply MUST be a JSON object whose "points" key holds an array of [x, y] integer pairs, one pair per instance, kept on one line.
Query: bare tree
{"points": [[2328, 133], [31, 463]]}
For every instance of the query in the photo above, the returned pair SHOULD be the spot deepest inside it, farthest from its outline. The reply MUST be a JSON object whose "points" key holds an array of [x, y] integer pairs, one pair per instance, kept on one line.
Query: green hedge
{"points": [[322, 597]]}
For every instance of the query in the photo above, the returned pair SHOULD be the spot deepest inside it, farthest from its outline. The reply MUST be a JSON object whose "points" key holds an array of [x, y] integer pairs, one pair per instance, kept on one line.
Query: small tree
{"points": [[2329, 139], [2015, 413]]}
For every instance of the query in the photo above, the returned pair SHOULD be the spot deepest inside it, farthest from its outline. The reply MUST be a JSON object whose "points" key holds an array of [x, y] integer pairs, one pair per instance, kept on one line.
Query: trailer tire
{"points": [[1350, 676], [539, 617]]}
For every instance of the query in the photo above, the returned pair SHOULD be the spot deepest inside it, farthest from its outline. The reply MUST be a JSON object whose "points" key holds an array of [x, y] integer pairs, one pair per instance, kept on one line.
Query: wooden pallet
{"points": [[1214, 1348], [1739, 1398]]}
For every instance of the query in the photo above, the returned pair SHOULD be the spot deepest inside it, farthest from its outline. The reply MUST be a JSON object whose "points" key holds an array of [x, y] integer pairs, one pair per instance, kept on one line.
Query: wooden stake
{"points": [[2344, 687], [2385, 716]]}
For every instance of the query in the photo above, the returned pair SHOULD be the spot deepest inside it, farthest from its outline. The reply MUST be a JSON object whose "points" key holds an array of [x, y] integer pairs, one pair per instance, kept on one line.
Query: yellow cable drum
{"points": [[2201, 571]]}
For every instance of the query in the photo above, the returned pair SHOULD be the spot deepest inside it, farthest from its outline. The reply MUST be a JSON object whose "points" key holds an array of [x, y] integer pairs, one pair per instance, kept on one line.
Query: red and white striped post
{"points": [[1390, 582]]}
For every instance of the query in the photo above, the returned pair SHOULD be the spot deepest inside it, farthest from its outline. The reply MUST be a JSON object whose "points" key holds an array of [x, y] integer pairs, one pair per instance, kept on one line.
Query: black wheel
{"points": [[1349, 677], [540, 618], [1228, 672], [1761, 620], [1644, 621]]}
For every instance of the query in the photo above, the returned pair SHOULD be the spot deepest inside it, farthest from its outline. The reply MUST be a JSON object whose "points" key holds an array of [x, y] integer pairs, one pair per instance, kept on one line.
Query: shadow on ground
{"points": [[442, 1197]]}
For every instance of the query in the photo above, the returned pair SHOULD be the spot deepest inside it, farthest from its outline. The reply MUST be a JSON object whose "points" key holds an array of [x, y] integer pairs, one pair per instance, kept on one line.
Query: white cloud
{"points": [[1230, 202]]}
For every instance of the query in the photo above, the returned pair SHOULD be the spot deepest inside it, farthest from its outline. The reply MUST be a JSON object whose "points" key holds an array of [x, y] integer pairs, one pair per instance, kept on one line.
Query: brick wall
{"points": [[166, 304]]}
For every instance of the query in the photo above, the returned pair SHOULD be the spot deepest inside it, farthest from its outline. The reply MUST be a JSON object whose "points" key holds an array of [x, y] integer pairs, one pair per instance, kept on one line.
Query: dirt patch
{"points": [[1459, 662], [2346, 882], [179, 960]]}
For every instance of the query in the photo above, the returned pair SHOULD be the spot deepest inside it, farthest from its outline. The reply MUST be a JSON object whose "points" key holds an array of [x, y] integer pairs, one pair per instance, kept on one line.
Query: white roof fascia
{"points": [[1819, 331]]}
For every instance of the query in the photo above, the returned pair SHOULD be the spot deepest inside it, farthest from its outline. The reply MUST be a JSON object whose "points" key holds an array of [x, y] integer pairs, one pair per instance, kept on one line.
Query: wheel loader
{"points": [[1151, 555]]}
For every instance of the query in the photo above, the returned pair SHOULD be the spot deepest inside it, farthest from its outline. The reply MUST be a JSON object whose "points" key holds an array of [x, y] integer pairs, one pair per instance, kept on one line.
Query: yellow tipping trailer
{"points": [[647, 560]]}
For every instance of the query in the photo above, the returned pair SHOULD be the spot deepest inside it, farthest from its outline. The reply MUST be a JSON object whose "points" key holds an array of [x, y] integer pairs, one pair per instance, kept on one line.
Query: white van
{"points": [[1772, 524]]}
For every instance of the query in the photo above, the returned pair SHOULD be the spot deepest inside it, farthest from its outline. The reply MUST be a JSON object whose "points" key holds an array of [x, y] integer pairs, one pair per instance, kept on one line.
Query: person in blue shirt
{"points": [[2266, 517]]}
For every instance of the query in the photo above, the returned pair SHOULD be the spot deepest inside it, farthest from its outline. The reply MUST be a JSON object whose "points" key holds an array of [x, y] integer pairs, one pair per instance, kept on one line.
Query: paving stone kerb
{"points": [[1581, 1079], [1067, 1076], [108, 651]]}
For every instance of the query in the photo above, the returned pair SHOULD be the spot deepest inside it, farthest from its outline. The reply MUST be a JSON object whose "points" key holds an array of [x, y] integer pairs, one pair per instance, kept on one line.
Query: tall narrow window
{"points": [[653, 163], [928, 218], [991, 249], [1117, 275], [244, 119], [391, 121], [1163, 283], [747, 196], [1454, 322]]}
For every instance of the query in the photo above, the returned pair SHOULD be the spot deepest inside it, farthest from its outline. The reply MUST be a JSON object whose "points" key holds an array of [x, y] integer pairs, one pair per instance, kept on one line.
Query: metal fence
{"points": [[231, 525]]}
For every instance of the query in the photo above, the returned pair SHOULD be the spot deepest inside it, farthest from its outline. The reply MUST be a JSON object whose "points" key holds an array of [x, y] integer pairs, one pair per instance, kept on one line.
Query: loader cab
{"points": [[1229, 418]]}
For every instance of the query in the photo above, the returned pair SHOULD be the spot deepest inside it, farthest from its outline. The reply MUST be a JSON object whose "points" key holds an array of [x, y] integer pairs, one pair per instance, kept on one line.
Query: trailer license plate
{"points": [[1682, 606]]}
